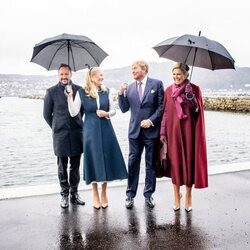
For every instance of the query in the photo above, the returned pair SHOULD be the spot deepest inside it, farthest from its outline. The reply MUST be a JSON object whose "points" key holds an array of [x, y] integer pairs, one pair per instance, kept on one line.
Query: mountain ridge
{"points": [[226, 79]]}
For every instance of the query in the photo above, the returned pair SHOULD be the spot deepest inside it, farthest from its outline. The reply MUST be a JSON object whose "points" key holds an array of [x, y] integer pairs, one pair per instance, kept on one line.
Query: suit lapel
{"points": [[135, 91], [146, 90]]}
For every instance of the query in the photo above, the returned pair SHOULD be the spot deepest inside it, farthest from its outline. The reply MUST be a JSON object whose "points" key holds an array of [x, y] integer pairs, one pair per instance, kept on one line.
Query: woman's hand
{"points": [[101, 113], [163, 139]]}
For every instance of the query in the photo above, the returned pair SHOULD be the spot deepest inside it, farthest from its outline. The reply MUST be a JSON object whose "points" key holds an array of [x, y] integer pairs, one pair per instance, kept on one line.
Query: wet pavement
{"points": [[220, 220]]}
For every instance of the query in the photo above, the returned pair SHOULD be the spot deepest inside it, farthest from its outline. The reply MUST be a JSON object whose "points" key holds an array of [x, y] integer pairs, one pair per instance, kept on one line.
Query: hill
{"points": [[231, 80]]}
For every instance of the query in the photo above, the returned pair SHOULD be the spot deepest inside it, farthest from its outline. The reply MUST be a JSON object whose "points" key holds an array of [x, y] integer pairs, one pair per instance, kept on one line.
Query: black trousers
{"points": [[136, 147], [69, 185]]}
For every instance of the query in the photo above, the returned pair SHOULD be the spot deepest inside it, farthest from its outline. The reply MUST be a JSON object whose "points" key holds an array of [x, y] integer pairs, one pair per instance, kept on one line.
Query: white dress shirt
{"points": [[143, 84], [75, 106]]}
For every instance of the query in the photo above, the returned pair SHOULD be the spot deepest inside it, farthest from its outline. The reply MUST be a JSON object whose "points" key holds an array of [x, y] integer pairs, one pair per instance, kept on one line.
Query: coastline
{"points": [[213, 103], [48, 189]]}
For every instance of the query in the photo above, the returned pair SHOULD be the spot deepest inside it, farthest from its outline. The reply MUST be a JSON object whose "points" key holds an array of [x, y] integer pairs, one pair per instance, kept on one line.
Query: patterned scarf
{"points": [[181, 95]]}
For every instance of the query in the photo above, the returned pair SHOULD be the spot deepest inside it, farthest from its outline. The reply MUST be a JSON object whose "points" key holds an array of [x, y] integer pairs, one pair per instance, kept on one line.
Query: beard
{"points": [[64, 80]]}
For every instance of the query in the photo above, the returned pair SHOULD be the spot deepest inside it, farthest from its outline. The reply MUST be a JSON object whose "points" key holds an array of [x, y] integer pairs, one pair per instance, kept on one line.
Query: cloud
{"points": [[125, 29]]}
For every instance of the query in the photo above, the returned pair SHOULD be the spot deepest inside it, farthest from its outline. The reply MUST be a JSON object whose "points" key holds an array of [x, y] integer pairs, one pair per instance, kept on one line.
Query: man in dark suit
{"points": [[67, 135], [144, 98]]}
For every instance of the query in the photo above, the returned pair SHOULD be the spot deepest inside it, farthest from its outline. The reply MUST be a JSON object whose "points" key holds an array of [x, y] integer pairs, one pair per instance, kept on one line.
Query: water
{"points": [[27, 156]]}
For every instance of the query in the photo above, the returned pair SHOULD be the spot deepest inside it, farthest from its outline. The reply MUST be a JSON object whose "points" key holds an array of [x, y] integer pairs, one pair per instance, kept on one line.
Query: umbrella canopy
{"points": [[78, 52], [196, 51]]}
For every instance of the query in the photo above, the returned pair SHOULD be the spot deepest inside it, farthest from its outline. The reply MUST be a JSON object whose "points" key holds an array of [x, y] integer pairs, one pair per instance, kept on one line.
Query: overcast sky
{"points": [[125, 29]]}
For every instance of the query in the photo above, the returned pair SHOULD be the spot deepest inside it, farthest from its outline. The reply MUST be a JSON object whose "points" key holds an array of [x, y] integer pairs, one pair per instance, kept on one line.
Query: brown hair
{"points": [[183, 67], [63, 65]]}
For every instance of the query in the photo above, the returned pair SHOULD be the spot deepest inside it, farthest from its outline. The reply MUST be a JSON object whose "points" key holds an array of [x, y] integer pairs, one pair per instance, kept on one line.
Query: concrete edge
{"points": [[48, 189]]}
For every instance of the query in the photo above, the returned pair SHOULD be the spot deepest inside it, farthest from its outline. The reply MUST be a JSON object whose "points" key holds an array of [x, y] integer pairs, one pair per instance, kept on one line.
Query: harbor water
{"points": [[27, 156]]}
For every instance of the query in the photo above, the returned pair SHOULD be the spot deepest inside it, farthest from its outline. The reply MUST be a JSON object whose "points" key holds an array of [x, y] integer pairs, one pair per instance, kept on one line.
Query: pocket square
{"points": [[152, 91]]}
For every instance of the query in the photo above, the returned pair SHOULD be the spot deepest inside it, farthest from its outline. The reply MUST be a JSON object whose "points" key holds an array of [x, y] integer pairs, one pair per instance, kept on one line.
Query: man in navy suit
{"points": [[144, 98]]}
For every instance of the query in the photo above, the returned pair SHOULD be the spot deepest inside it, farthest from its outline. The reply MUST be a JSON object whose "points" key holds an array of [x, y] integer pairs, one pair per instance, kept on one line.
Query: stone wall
{"points": [[237, 104]]}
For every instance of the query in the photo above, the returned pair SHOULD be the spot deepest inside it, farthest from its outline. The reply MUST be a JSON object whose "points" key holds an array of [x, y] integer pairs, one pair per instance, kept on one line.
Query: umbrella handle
{"points": [[189, 97]]}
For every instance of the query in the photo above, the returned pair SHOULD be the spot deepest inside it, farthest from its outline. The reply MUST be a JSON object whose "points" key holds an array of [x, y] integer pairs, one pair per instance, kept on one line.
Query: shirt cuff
{"points": [[152, 124]]}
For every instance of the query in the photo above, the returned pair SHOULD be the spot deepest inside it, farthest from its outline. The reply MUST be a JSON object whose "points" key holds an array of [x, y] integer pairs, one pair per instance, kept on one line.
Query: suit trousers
{"points": [[136, 147], [69, 185]]}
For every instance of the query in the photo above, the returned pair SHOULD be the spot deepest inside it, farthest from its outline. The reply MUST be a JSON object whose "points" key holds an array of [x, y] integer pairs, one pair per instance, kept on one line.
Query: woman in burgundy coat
{"points": [[183, 134]]}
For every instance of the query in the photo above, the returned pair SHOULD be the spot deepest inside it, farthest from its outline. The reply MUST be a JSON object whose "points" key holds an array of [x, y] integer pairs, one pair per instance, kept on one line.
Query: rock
{"points": [[239, 104]]}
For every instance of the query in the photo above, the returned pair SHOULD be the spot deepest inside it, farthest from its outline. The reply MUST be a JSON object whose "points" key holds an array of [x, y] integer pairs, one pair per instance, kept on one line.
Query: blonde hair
{"points": [[90, 85], [142, 64], [183, 67]]}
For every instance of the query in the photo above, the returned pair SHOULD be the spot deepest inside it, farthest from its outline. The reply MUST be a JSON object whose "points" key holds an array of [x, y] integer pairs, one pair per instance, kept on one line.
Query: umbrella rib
{"points": [[68, 50], [212, 65], [188, 55], [87, 50], [55, 54], [166, 50], [73, 60]]}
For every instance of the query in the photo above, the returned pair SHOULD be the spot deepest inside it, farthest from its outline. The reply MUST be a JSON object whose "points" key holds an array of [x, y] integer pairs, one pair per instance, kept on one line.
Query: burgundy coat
{"points": [[186, 143]]}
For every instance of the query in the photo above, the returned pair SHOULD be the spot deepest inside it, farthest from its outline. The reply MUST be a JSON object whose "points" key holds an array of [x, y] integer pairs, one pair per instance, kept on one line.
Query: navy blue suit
{"points": [[150, 107]]}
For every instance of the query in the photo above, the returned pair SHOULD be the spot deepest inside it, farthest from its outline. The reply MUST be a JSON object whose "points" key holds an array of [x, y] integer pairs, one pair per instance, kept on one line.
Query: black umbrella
{"points": [[78, 52], [196, 51]]}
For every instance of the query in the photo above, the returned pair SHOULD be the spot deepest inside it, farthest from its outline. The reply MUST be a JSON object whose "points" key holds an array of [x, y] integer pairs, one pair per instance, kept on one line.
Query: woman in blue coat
{"points": [[103, 160]]}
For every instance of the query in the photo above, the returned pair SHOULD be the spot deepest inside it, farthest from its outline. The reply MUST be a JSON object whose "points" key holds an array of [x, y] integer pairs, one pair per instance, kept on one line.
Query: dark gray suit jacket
{"points": [[66, 130], [151, 108]]}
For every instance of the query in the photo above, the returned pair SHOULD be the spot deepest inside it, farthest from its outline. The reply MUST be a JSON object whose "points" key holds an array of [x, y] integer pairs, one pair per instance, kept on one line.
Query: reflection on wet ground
{"points": [[220, 219], [136, 231], [70, 229]]}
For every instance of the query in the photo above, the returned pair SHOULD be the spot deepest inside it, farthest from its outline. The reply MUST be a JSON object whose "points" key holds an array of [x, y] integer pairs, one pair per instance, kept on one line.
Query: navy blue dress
{"points": [[103, 160]]}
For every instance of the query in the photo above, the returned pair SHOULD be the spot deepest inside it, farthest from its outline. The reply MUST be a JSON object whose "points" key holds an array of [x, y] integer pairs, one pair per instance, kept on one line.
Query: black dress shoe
{"points": [[150, 202], [129, 203], [75, 199], [65, 201]]}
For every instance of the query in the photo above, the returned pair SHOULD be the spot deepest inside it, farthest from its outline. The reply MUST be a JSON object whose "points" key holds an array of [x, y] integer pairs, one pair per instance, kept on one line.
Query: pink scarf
{"points": [[178, 94]]}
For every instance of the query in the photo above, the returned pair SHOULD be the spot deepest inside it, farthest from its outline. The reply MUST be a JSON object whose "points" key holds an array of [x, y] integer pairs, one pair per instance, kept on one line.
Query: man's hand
{"points": [[69, 91], [146, 123], [123, 88]]}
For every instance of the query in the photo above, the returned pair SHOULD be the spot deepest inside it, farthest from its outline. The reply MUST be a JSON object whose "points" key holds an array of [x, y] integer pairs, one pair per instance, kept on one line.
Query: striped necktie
{"points": [[140, 90]]}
